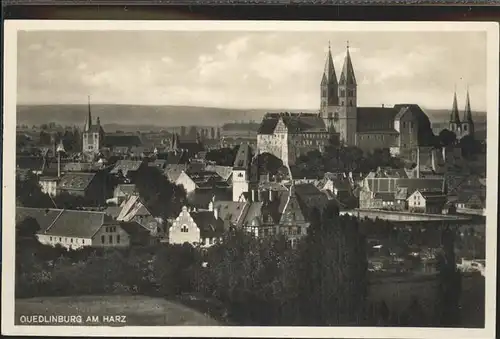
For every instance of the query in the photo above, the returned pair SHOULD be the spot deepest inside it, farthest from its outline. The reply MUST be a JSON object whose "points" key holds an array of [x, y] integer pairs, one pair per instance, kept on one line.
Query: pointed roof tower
{"points": [[329, 75], [454, 111], [347, 77], [88, 120], [467, 112]]}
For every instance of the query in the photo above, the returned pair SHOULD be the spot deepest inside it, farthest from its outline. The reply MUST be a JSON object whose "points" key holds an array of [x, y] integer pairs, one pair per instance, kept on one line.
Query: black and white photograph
{"points": [[204, 178]]}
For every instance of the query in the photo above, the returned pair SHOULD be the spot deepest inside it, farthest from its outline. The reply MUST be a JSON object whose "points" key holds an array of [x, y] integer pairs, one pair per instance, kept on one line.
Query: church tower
{"points": [[93, 134], [467, 123], [347, 107], [329, 91], [455, 125], [241, 171]]}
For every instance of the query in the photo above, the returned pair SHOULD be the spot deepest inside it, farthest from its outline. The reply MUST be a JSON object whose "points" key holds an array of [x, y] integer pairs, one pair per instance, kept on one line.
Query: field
{"points": [[139, 310]]}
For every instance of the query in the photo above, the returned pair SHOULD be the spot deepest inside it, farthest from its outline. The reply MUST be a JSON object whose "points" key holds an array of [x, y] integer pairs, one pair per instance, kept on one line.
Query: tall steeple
{"points": [[329, 72], [88, 121], [347, 77], [454, 111], [467, 112], [467, 122], [329, 83]]}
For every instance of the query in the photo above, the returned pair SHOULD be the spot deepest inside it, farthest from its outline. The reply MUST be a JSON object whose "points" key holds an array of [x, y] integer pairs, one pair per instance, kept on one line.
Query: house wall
{"points": [[186, 182], [49, 187], [66, 242], [371, 141], [240, 183], [184, 229], [111, 236], [416, 203]]}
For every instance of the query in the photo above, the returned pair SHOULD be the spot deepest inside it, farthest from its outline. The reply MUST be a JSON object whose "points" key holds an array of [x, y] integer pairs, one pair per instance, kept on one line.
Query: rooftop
{"points": [[76, 181]]}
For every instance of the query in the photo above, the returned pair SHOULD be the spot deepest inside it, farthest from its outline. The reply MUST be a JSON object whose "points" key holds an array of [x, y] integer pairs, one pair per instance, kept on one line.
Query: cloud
{"points": [[278, 67], [252, 70]]}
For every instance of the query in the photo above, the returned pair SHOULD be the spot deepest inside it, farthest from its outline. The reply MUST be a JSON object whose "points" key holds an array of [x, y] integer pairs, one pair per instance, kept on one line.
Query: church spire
{"points": [[454, 111], [329, 72], [88, 121], [467, 112], [347, 77]]}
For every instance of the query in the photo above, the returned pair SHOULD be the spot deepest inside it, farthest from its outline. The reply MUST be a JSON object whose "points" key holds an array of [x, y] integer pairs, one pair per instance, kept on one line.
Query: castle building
{"points": [[466, 126], [290, 135], [93, 135]]}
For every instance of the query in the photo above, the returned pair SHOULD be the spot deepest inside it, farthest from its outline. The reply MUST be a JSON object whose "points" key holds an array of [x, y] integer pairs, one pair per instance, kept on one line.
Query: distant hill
{"points": [[136, 117]]}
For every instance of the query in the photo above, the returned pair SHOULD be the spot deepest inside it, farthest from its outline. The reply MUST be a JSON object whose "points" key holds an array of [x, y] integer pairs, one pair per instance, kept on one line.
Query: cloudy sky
{"points": [[247, 69]]}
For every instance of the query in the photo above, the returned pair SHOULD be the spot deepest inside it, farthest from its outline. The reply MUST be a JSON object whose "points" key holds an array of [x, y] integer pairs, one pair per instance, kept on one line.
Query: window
{"points": [[404, 124], [118, 239], [110, 239], [350, 102], [71, 240], [50, 238], [103, 239], [465, 127], [60, 239], [299, 230], [184, 229]]}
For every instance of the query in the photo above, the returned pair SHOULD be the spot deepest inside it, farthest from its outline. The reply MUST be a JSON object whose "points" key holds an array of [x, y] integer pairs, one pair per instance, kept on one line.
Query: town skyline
{"points": [[247, 70]]}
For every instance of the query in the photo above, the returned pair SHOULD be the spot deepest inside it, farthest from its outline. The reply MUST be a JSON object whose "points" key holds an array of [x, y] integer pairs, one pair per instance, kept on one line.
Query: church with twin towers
{"points": [[401, 128]]}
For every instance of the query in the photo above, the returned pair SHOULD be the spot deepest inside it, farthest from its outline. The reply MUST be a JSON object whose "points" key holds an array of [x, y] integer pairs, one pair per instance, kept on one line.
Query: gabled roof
{"points": [[113, 211], [201, 198], [173, 171], [376, 119], [243, 157], [224, 171], [231, 211], [292, 212], [208, 225], [75, 181], [44, 216], [132, 208], [68, 223], [295, 122], [122, 140], [126, 166], [127, 189]]}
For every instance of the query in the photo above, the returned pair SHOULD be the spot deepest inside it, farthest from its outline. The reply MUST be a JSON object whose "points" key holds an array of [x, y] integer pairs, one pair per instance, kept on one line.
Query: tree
{"points": [[449, 283], [29, 193], [163, 197], [469, 146], [334, 268], [447, 137], [269, 163]]}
